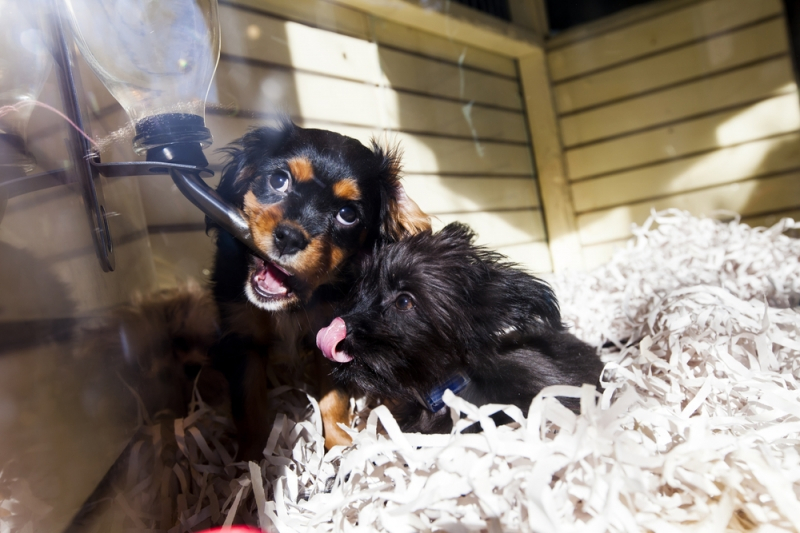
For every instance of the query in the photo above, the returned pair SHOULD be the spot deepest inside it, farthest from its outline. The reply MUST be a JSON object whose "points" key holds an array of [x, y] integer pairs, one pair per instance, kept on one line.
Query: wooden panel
{"points": [[705, 57], [246, 34], [599, 254], [344, 20], [309, 95], [455, 22], [655, 34], [396, 35], [181, 256], [553, 184], [723, 166], [405, 71], [769, 117], [749, 197], [325, 15], [499, 228], [422, 154], [302, 47], [533, 257], [772, 218], [744, 85], [436, 194]]}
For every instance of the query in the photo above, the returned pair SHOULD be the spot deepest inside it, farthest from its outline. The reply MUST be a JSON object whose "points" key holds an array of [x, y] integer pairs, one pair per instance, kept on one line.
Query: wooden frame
{"points": [[526, 45]]}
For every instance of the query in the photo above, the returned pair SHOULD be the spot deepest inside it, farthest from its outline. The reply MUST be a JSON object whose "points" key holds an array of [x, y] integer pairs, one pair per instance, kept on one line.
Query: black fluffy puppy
{"points": [[434, 311]]}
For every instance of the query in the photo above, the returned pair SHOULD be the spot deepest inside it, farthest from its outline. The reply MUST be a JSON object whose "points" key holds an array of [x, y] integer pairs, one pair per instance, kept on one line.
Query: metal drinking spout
{"points": [[229, 217]]}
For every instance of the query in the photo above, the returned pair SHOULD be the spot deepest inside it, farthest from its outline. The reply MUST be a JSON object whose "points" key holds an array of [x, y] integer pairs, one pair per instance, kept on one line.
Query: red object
{"points": [[232, 529]]}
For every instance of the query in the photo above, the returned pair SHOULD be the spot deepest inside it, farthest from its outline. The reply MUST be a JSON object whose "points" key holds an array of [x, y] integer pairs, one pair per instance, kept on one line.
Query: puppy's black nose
{"points": [[289, 240]]}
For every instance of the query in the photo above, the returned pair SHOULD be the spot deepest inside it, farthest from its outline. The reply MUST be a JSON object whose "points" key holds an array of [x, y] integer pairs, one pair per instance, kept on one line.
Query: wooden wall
{"points": [[694, 106], [456, 111]]}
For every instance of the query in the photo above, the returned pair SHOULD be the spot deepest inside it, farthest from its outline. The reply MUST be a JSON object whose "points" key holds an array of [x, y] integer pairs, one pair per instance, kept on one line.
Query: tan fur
{"points": [[301, 169], [334, 406], [262, 219], [347, 189], [406, 218]]}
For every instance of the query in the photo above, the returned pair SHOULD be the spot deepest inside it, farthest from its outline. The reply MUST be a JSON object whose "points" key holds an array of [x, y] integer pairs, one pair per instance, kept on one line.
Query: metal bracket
{"points": [[80, 151]]}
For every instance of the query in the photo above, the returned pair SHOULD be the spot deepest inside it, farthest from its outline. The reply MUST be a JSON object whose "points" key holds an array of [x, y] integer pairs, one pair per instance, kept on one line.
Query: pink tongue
{"points": [[328, 338], [271, 280]]}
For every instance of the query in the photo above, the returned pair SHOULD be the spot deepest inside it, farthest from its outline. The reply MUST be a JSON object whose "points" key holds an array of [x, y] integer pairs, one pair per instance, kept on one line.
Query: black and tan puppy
{"points": [[315, 201], [435, 311]]}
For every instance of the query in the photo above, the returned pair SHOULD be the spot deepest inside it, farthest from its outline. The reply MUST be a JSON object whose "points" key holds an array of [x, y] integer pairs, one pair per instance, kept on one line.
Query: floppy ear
{"points": [[403, 217], [400, 215]]}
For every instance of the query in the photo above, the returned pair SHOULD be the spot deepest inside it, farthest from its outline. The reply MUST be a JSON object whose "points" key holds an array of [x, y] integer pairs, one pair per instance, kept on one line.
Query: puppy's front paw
{"points": [[335, 408]]}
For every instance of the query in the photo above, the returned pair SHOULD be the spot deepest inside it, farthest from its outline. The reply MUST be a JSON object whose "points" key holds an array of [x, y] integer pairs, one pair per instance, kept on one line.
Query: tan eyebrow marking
{"points": [[347, 189], [301, 169]]}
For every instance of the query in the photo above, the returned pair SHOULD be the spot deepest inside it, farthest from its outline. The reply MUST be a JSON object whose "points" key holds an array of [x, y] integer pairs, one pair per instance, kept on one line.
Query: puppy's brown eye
{"points": [[280, 181], [404, 302], [347, 216]]}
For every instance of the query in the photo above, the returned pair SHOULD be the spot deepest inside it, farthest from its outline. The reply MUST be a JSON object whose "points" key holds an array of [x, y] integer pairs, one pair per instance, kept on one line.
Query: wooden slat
{"points": [[324, 15], [769, 117], [705, 57], [555, 190], [422, 154], [716, 93], [533, 257], [421, 42], [340, 19], [656, 34], [303, 47], [254, 36], [437, 194], [750, 197], [335, 100], [628, 17], [499, 228], [455, 22], [722, 166], [405, 71], [599, 254], [772, 218]]}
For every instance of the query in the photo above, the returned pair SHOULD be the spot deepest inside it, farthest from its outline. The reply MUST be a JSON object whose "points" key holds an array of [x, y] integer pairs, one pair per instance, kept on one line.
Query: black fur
{"points": [[472, 312], [261, 330]]}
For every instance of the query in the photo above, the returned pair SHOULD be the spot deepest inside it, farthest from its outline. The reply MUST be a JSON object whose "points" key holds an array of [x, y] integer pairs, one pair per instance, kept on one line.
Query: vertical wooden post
{"points": [[556, 198]]}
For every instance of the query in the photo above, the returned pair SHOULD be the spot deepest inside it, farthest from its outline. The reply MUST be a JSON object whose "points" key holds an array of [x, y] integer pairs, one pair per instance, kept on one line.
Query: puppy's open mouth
{"points": [[271, 282]]}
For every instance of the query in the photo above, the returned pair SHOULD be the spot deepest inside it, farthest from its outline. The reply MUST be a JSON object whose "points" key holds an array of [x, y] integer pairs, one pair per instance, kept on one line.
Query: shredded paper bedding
{"points": [[696, 428]]}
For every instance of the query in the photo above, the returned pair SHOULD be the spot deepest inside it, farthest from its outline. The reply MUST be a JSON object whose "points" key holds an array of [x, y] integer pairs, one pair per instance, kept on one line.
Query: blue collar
{"points": [[433, 401]]}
